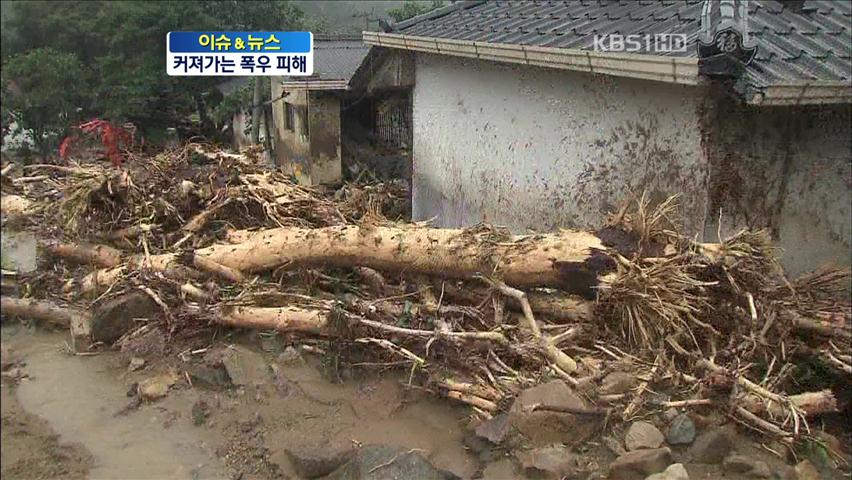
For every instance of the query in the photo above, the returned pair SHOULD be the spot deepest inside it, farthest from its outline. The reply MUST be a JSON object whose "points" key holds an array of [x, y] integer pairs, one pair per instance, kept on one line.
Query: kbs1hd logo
{"points": [[239, 53], [657, 43]]}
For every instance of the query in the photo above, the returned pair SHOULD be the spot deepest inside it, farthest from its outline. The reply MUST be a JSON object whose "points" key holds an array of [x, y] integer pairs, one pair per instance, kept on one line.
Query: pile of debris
{"points": [[477, 315]]}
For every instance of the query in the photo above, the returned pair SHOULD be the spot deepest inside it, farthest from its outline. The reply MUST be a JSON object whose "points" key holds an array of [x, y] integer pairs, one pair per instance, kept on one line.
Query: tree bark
{"points": [[568, 260], [99, 255], [41, 310]]}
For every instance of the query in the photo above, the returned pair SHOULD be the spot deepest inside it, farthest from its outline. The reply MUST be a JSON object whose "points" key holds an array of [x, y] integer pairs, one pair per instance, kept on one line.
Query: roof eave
{"points": [[316, 84], [678, 70], [805, 93]]}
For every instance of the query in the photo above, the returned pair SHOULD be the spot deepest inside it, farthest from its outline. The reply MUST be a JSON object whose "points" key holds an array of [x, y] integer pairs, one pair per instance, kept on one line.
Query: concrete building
{"points": [[324, 123], [525, 116]]}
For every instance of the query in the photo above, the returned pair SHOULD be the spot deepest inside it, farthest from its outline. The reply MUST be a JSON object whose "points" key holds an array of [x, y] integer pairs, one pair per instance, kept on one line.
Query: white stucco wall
{"points": [[789, 170], [534, 148]]}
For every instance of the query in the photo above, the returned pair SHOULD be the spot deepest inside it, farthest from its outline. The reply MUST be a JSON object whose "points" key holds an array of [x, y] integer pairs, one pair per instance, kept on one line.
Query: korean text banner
{"points": [[239, 53]]}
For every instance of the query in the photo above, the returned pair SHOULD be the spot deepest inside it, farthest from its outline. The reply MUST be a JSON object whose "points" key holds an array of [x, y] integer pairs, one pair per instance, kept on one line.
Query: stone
{"points": [[804, 470], [246, 367], [200, 412], [156, 387], [313, 461], [494, 429], [681, 430], [499, 470], [639, 464], [205, 376], [642, 435], [374, 462], [711, 446], [290, 355], [483, 449], [618, 382], [136, 363], [545, 427], [555, 461], [735, 463], [670, 414], [613, 445], [676, 471], [118, 315]]}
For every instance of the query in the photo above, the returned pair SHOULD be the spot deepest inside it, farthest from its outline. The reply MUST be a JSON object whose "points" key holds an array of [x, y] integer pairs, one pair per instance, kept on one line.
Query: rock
{"points": [[214, 378], [742, 464], [312, 461], [613, 445], [545, 427], [499, 470], [135, 364], [618, 382], [81, 333], [245, 367], [494, 429], [642, 435], [639, 464], [670, 414], [156, 387], [382, 463], [484, 449], [676, 471], [711, 446], [290, 355], [200, 412], [555, 461], [118, 315], [805, 470], [681, 430]]}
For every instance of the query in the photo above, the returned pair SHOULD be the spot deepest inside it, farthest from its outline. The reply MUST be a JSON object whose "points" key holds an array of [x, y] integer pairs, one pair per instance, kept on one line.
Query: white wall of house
{"points": [[528, 147], [789, 170]]}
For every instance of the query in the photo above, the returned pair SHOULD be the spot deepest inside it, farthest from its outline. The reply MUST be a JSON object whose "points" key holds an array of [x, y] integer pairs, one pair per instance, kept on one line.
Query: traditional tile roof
{"points": [[337, 57], [796, 41]]}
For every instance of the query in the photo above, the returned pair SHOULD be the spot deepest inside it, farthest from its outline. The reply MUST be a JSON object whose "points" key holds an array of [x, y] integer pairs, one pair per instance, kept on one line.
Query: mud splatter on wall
{"points": [[788, 169], [537, 148]]}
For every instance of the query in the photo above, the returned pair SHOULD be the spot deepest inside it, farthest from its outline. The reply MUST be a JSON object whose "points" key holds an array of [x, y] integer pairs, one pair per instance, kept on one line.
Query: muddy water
{"points": [[298, 410]]}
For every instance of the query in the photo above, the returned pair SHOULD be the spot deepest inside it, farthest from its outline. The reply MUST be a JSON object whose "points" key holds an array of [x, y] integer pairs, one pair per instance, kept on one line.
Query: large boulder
{"points": [[639, 464], [543, 427], [374, 462], [117, 316], [712, 446]]}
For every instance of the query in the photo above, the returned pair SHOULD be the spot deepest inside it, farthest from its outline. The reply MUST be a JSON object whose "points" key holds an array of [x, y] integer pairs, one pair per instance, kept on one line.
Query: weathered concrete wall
{"points": [[324, 133], [311, 150], [536, 148], [392, 69], [292, 147], [787, 169]]}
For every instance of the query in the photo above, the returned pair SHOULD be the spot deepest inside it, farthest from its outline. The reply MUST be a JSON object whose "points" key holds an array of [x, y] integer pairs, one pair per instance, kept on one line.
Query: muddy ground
{"points": [[71, 417]]}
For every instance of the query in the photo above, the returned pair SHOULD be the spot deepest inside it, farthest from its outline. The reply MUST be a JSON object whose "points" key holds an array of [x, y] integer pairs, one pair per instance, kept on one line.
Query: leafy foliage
{"points": [[42, 90], [411, 9], [116, 52]]}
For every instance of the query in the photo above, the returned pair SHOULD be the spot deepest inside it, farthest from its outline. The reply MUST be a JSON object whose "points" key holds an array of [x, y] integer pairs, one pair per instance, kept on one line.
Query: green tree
{"points": [[413, 8], [122, 45], [42, 91]]}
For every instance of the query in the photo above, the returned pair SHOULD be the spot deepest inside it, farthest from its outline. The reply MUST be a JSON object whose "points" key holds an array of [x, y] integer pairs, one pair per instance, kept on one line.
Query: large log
{"points": [[568, 260]]}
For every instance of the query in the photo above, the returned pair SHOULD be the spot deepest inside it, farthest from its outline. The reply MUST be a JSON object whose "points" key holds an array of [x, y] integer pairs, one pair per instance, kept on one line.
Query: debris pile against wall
{"points": [[477, 315]]}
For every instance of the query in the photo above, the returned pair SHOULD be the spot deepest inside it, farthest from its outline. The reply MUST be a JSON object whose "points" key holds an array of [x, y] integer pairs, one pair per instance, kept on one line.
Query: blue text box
{"points": [[252, 42]]}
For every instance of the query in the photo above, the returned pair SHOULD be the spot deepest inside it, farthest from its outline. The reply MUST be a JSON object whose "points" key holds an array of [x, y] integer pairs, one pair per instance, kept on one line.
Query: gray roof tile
{"points": [[337, 57], [792, 46]]}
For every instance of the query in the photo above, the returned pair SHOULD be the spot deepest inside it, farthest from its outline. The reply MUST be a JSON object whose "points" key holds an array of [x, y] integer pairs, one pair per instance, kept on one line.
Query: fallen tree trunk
{"points": [[572, 261], [810, 403], [41, 310], [99, 255], [568, 260]]}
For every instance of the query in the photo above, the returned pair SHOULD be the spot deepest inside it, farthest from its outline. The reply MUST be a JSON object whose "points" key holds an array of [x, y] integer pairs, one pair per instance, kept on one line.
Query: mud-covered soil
{"points": [[32, 450]]}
